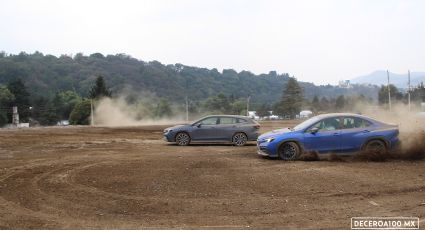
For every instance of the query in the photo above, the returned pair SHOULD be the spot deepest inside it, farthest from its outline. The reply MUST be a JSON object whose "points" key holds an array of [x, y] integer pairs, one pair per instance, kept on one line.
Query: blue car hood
{"points": [[275, 132]]}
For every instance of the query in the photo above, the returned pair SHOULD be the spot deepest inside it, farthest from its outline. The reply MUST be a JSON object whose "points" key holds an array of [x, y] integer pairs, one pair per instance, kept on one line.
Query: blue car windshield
{"points": [[306, 124]]}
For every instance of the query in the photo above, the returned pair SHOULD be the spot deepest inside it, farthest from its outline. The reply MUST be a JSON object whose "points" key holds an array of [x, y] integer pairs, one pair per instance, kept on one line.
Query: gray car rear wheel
{"points": [[239, 139], [289, 151], [182, 139]]}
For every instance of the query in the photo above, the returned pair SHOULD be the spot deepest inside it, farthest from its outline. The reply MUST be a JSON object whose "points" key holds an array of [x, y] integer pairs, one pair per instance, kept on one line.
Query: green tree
{"points": [[163, 109], [383, 94], [315, 103], [292, 99], [218, 104], [6, 98], [418, 93], [340, 102], [324, 104], [44, 111], [237, 107], [80, 115], [64, 102], [263, 110], [100, 89], [18, 89]]}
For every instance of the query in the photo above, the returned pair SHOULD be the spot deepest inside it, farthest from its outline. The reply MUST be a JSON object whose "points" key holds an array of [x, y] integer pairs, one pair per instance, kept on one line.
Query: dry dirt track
{"points": [[127, 178]]}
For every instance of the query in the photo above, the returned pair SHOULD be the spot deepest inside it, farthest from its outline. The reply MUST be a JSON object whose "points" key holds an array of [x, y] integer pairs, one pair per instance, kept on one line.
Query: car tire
{"points": [[375, 146], [289, 151], [239, 139], [182, 139]]}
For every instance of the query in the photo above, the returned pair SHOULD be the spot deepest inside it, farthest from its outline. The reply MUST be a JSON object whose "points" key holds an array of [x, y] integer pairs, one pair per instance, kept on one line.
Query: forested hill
{"points": [[44, 75]]}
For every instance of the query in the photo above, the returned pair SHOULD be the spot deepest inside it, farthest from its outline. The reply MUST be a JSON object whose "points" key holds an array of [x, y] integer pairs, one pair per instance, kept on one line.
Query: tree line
{"points": [[46, 75]]}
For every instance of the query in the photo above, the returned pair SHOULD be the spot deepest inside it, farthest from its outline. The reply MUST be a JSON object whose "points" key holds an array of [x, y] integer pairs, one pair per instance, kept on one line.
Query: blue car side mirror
{"points": [[314, 130]]}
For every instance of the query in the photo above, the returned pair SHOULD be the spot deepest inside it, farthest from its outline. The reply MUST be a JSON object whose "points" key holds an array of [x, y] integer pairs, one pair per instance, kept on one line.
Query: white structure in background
{"points": [[23, 125], [63, 123], [273, 117], [344, 84], [306, 114], [15, 116], [253, 115]]}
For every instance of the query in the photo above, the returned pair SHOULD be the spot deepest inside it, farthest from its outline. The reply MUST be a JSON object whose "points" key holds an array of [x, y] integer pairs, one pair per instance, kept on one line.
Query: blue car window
{"points": [[354, 123], [327, 124]]}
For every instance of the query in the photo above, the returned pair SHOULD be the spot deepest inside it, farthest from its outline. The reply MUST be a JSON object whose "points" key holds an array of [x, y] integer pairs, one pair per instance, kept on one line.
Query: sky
{"points": [[320, 41]]}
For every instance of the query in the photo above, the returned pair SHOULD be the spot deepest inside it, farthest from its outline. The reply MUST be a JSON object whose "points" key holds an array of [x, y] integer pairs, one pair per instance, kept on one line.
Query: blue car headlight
{"points": [[268, 140]]}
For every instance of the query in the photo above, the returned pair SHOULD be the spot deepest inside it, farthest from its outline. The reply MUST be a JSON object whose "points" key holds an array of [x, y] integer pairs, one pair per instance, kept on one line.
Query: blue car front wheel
{"points": [[289, 151]]}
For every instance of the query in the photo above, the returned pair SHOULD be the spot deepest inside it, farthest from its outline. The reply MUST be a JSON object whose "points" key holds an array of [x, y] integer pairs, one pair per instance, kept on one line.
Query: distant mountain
{"points": [[379, 77]]}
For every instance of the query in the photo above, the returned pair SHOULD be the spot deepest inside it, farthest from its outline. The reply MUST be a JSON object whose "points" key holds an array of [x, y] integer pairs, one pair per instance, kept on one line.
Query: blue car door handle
{"points": [[336, 134], [366, 131]]}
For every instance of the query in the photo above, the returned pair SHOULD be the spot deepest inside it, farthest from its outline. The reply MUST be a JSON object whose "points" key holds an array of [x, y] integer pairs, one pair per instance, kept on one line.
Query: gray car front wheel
{"points": [[239, 139], [182, 139]]}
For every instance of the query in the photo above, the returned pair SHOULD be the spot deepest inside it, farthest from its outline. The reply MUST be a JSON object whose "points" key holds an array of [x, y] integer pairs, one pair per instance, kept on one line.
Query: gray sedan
{"points": [[219, 128]]}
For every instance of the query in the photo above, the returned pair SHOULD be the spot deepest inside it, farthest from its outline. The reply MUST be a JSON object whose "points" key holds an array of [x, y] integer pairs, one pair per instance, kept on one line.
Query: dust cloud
{"points": [[114, 112], [412, 131]]}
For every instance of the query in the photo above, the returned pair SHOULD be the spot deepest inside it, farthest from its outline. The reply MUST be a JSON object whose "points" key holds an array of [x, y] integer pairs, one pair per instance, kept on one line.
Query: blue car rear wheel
{"points": [[289, 151]]}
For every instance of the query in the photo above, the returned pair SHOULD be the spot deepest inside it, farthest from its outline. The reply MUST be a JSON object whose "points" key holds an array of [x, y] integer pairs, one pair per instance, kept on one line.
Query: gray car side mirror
{"points": [[199, 125]]}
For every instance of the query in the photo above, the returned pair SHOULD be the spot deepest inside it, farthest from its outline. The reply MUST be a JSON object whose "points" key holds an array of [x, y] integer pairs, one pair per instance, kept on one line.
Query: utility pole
{"points": [[408, 88], [187, 110], [247, 105], [187, 102], [91, 112], [389, 90]]}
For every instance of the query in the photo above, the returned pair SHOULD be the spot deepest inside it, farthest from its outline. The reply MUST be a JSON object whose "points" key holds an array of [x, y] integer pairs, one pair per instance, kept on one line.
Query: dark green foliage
{"points": [[44, 112], [263, 110], [163, 109], [218, 104], [292, 99], [6, 98], [3, 118], [64, 102], [383, 94], [340, 102], [221, 104], [80, 115], [22, 99], [45, 75], [418, 93], [99, 90], [315, 104]]}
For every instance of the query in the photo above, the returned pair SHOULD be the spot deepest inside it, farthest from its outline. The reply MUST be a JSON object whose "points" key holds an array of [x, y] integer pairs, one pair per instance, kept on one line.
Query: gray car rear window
{"points": [[227, 120], [240, 120]]}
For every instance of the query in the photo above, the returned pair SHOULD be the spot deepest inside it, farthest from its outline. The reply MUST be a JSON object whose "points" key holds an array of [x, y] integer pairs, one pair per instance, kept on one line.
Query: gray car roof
{"points": [[235, 116]]}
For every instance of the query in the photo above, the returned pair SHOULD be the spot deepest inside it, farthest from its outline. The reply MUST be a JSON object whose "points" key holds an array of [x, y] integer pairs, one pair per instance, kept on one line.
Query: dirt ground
{"points": [[128, 178]]}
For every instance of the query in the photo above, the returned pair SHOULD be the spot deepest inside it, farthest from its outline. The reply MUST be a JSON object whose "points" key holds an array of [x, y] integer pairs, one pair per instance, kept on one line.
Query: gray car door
{"points": [[227, 128], [205, 130]]}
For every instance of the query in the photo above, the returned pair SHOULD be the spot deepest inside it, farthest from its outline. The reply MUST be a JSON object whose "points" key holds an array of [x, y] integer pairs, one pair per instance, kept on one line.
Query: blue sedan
{"points": [[329, 133]]}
